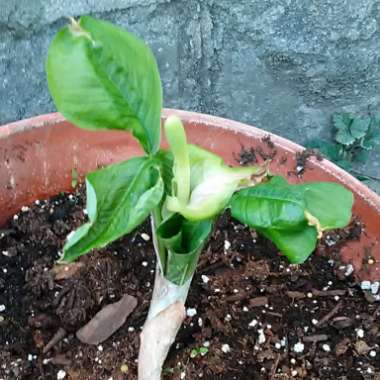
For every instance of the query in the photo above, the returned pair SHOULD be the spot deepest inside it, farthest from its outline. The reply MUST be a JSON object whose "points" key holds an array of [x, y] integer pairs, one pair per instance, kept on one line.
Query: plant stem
{"points": [[165, 317], [158, 245]]}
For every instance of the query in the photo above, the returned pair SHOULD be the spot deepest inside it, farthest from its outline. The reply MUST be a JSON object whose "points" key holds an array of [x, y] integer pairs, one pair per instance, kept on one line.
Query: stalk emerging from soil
{"points": [[165, 317]]}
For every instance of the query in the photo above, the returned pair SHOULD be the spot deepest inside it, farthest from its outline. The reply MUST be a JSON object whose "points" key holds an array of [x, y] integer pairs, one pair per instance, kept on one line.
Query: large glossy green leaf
{"points": [[102, 77], [329, 202], [295, 245], [184, 241], [293, 216], [275, 205], [119, 198]]}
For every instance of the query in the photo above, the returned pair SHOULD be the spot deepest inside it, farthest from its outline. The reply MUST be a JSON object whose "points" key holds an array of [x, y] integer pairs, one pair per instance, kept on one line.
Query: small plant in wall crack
{"points": [[103, 77], [354, 138]]}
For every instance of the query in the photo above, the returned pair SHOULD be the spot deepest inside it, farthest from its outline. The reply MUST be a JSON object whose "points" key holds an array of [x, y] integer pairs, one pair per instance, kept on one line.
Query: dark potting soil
{"points": [[257, 316]]}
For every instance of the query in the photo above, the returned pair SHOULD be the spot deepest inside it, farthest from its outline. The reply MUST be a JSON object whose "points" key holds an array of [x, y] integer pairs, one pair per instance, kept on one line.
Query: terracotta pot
{"points": [[38, 156]]}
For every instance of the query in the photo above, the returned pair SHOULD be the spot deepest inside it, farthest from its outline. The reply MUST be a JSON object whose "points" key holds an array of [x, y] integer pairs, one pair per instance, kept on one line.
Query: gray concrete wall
{"points": [[282, 65]]}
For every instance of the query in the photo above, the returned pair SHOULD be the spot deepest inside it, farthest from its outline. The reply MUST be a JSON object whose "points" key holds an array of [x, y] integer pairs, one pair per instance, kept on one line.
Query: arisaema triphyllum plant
{"points": [[103, 77]]}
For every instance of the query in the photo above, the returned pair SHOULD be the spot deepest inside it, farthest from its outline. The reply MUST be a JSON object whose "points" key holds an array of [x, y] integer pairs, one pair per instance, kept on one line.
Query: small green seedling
{"points": [[102, 77], [354, 138], [199, 351]]}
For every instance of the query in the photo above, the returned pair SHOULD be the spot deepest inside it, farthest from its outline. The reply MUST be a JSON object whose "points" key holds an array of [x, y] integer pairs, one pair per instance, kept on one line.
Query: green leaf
{"points": [[344, 137], [274, 205], [359, 127], [362, 177], [102, 77], [329, 202], [291, 216], [165, 161], [342, 121], [212, 183], [372, 137], [119, 198], [331, 151], [295, 245], [361, 156], [184, 241]]}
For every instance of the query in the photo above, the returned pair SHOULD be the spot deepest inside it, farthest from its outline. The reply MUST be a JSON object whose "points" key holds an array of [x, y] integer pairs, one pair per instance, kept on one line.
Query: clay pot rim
{"points": [[214, 121]]}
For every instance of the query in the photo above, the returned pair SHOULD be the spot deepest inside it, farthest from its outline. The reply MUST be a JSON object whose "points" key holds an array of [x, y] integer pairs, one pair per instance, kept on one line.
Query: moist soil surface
{"points": [[257, 316]]}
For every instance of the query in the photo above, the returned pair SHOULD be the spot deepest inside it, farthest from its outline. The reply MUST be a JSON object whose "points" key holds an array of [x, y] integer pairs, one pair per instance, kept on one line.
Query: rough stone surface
{"points": [[282, 65]]}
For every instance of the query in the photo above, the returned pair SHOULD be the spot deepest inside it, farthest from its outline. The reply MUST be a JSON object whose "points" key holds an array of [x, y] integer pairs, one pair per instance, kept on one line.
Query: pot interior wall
{"points": [[38, 156]]}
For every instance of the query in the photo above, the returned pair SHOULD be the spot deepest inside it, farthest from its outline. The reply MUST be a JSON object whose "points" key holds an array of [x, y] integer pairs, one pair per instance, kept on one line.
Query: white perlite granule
{"points": [[299, 347]]}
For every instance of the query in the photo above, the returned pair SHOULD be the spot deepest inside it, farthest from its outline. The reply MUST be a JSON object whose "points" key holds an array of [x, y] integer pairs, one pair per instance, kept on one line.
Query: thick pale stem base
{"points": [[166, 315]]}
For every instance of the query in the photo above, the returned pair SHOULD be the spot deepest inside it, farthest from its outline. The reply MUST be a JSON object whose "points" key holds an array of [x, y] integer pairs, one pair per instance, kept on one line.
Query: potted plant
{"points": [[102, 77]]}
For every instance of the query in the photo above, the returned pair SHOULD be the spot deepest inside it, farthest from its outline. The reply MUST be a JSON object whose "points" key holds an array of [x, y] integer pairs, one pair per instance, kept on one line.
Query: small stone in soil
{"points": [[349, 270], [191, 312], [61, 374], [226, 348], [375, 287], [326, 348], [360, 333], [365, 285], [261, 336], [2, 308], [299, 347], [145, 236], [205, 279]]}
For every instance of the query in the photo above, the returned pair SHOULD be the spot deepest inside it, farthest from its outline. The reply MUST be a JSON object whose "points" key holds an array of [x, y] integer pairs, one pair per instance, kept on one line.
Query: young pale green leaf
{"points": [[184, 241], [119, 198], [295, 245], [176, 137], [212, 183], [274, 205], [329, 202], [102, 77]]}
